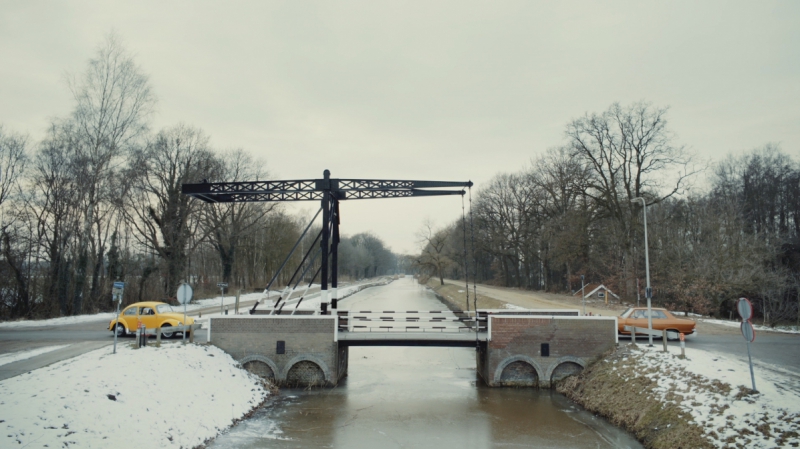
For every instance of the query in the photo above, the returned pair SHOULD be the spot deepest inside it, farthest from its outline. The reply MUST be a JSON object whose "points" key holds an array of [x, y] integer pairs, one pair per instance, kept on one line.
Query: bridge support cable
{"points": [[275, 276], [299, 266], [288, 296], [474, 273], [466, 264], [306, 290]]}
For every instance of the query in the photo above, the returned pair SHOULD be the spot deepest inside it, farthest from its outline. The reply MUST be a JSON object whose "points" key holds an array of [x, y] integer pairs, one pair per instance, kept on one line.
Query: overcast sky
{"points": [[441, 90]]}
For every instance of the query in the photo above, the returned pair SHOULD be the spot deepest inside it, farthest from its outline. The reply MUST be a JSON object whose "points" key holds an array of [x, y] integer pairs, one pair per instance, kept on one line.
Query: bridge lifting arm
{"points": [[313, 189], [329, 191]]}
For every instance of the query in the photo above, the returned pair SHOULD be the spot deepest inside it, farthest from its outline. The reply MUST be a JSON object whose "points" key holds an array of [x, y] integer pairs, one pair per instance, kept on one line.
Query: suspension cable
{"points": [[275, 276], [474, 273], [302, 262], [306, 291], [466, 264]]}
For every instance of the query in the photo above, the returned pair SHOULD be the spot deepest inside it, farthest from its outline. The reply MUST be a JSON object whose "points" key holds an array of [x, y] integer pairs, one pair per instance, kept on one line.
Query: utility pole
{"points": [[648, 292]]}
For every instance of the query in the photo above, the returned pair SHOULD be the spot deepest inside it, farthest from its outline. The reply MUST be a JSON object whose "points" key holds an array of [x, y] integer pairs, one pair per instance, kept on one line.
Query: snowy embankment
{"points": [[758, 327], [703, 401], [5, 359], [175, 396]]}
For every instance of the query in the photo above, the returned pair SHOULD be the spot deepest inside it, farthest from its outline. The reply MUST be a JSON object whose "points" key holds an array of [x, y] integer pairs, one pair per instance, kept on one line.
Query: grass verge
{"points": [[455, 297]]}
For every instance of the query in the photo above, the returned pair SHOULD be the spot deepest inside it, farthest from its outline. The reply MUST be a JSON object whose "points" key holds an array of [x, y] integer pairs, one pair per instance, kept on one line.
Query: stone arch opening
{"points": [[259, 368], [565, 370], [519, 373], [305, 373]]}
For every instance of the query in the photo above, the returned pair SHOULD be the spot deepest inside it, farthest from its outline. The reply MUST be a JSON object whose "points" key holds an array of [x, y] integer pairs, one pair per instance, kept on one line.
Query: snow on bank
{"points": [[57, 321], [5, 359], [173, 396], [758, 327], [715, 391]]}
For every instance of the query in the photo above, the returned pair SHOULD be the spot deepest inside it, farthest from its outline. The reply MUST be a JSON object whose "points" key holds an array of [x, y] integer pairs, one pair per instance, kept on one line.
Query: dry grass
{"points": [[612, 389], [456, 297]]}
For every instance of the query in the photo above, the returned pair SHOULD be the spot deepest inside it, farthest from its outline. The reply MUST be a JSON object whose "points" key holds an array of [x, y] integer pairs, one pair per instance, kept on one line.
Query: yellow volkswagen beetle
{"points": [[152, 314]]}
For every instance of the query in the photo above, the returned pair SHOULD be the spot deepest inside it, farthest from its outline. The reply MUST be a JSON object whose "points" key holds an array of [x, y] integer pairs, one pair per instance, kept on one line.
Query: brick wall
{"points": [[516, 344], [306, 339]]}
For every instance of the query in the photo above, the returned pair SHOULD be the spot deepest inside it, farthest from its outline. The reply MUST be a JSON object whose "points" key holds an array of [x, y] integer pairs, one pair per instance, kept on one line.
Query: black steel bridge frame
{"points": [[329, 191]]}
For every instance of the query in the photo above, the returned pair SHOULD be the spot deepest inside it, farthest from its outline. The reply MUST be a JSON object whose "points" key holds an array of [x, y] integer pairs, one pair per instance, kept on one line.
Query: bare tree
{"points": [[113, 104], [163, 218], [12, 162], [434, 256], [228, 223], [628, 150]]}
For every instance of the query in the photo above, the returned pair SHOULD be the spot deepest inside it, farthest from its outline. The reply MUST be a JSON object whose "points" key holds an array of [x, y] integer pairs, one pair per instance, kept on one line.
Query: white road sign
{"points": [[184, 293]]}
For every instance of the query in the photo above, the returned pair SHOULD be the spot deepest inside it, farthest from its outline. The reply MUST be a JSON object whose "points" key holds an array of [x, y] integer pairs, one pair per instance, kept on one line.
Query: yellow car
{"points": [[152, 314]]}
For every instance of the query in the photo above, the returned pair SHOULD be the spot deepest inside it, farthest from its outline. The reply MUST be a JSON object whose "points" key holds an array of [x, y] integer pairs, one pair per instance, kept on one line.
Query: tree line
{"points": [[715, 233], [98, 199]]}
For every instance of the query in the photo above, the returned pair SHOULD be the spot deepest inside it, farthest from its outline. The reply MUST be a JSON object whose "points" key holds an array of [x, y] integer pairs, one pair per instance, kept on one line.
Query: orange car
{"points": [[662, 319]]}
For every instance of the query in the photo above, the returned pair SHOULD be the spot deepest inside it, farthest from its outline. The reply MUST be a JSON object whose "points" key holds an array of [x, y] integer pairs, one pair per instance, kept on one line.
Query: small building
{"points": [[597, 291]]}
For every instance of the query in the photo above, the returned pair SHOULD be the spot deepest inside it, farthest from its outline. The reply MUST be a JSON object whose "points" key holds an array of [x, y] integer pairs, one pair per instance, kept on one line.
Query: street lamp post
{"points": [[583, 296], [648, 292]]}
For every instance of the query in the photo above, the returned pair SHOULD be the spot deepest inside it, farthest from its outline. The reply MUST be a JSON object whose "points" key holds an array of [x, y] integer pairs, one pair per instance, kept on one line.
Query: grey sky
{"points": [[419, 90]]}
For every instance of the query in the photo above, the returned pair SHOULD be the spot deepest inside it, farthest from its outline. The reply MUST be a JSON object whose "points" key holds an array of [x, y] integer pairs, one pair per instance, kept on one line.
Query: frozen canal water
{"points": [[421, 398]]}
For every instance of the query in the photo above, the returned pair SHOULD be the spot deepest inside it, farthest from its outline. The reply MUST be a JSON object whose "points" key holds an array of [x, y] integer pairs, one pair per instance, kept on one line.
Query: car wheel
{"points": [[166, 332], [120, 329], [673, 335]]}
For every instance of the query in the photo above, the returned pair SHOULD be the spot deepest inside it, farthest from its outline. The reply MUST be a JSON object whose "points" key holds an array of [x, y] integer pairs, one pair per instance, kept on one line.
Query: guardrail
{"points": [[646, 331], [356, 321], [143, 333]]}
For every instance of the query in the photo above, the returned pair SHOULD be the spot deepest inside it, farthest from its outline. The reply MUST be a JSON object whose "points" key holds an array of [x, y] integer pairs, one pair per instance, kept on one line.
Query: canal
{"points": [[418, 397]]}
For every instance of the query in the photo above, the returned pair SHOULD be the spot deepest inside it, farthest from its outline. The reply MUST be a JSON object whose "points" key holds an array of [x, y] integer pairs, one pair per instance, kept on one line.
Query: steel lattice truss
{"points": [[313, 189]]}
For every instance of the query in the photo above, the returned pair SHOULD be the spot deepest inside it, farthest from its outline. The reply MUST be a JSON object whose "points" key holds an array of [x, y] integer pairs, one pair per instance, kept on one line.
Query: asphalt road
{"points": [[81, 338]]}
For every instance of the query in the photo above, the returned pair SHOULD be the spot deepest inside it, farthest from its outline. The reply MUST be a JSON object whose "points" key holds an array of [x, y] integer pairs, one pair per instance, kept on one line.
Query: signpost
{"points": [[184, 297], [583, 295], [745, 309], [222, 286], [116, 296]]}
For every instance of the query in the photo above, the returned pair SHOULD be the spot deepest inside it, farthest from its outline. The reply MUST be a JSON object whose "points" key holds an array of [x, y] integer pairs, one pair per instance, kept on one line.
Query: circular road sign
{"points": [[748, 332], [745, 309], [184, 293]]}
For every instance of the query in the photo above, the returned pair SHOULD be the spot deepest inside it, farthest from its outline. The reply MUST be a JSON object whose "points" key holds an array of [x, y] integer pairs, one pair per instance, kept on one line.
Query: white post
{"points": [[184, 325], [116, 324], [323, 297], [208, 331]]}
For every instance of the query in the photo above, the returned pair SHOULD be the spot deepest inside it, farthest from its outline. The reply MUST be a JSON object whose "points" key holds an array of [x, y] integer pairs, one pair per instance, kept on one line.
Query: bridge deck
{"points": [[441, 339]]}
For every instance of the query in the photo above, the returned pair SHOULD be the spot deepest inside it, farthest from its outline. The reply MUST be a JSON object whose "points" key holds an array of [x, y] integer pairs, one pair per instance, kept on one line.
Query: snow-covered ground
{"points": [[171, 397], [715, 391], [758, 327]]}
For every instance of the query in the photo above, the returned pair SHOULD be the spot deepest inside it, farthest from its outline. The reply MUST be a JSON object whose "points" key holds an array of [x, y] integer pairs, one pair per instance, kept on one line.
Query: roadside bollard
{"points": [[683, 347], [664, 339], [158, 338], [138, 337], [226, 310]]}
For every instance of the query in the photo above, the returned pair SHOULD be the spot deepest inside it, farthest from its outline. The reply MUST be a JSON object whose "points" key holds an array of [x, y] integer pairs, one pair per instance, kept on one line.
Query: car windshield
{"points": [[626, 313], [163, 308]]}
